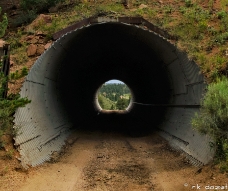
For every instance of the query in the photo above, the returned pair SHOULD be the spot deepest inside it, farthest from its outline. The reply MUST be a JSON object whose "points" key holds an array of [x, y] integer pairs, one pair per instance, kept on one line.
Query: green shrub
{"points": [[3, 24], [221, 38], [9, 104], [221, 14], [213, 117]]}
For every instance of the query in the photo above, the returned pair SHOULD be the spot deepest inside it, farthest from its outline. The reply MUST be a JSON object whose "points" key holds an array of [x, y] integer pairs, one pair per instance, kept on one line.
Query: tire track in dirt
{"points": [[117, 166]]}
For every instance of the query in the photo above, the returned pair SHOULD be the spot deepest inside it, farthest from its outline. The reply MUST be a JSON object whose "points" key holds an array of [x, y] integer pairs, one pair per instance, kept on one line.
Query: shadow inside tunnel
{"points": [[120, 122]]}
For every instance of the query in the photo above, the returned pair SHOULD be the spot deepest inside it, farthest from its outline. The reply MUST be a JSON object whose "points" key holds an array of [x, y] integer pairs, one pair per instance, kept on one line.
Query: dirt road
{"points": [[112, 162]]}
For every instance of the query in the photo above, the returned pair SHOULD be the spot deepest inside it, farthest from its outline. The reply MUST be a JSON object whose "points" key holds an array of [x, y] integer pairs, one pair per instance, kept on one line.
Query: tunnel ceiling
{"points": [[63, 83]]}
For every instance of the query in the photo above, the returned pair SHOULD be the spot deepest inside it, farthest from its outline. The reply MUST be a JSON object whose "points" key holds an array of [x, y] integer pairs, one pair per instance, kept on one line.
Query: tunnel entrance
{"points": [[167, 89]]}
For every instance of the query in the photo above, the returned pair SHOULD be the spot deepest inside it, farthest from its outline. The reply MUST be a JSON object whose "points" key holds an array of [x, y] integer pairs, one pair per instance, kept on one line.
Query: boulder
{"points": [[34, 40], [47, 45], [41, 19], [40, 49], [31, 50], [2, 43]]}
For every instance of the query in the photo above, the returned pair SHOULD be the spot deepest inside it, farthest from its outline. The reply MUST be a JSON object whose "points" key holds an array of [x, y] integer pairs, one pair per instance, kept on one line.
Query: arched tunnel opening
{"points": [[107, 51], [166, 88]]}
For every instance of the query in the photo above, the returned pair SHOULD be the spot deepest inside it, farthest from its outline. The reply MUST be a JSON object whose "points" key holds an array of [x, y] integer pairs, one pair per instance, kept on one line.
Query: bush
{"points": [[221, 14], [9, 104], [221, 38], [3, 24], [213, 117], [38, 5]]}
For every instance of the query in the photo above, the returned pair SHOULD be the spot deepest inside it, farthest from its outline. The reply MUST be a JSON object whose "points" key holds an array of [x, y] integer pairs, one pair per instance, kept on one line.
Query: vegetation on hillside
{"points": [[3, 24], [114, 96], [8, 104], [200, 28]]}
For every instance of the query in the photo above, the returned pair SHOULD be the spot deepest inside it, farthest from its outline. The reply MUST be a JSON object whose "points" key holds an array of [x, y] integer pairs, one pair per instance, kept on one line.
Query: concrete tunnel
{"points": [[62, 85]]}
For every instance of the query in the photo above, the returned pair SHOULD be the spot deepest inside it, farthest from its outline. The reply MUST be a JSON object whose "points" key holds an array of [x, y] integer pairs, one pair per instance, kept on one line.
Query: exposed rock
{"points": [[31, 51], [142, 6], [40, 33], [47, 45], [34, 41], [41, 19], [40, 49], [30, 37], [2, 43], [41, 40]]}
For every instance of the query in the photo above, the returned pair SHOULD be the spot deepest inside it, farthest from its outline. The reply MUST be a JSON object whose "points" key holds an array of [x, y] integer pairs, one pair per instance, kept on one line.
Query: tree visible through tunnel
{"points": [[114, 95]]}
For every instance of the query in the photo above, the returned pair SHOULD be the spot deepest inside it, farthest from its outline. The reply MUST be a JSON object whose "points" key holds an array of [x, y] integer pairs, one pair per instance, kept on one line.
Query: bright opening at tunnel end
{"points": [[114, 95]]}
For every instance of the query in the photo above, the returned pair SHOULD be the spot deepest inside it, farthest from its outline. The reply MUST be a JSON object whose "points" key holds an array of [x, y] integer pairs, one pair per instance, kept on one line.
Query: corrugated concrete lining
{"points": [[62, 84]]}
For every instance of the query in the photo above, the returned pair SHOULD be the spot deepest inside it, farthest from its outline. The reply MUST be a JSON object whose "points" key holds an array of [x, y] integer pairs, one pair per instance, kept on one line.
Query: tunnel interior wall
{"points": [[63, 82]]}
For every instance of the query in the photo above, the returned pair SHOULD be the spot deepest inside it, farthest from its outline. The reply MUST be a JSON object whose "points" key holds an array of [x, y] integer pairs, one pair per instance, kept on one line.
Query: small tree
{"points": [[112, 107], [122, 104], [3, 24], [9, 104]]}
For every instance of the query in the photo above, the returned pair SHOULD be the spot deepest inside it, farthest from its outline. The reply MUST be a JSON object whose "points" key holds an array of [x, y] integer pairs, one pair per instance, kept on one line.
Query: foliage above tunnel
{"points": [[200, 27]]}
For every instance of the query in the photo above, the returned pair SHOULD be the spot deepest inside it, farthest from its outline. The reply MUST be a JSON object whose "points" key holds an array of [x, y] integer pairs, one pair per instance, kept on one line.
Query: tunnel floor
{"points": [[114, 162]]}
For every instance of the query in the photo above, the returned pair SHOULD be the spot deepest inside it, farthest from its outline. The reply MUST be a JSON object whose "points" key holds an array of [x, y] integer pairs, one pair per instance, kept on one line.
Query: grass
{"points": [[105, 103], [126, 96]]}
